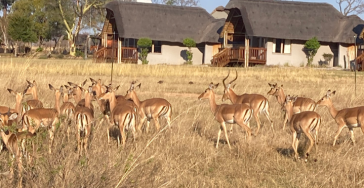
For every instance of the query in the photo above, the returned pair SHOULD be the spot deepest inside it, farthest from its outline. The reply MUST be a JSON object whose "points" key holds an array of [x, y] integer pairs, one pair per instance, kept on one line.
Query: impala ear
{"points": [[281, 85], [11, 91], [83, 83], [271, 85], [51, 87], [139, 85], [66, 86], [116, 88], [216, 85], [234, 86], [93, 81], [13, 116], [333, 92], [29, 83], [294, 99], [72, 84]]}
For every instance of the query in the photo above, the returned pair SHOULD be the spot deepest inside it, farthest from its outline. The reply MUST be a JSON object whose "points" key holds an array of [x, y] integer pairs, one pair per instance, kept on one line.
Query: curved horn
{"points": [[223, 80], [236, 72]]}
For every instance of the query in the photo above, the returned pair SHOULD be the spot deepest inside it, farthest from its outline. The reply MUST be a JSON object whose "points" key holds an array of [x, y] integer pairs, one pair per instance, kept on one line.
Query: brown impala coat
{"points": [[43, 117], [33, 103], [150, 108], [300, 105], [307, 122], [123, 114], [224, 113], [347, 117], [257, 102]]}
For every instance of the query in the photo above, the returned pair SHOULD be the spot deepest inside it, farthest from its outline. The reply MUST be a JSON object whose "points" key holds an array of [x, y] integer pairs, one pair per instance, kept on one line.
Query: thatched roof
{"points": [[164, 22], [297, 20]]}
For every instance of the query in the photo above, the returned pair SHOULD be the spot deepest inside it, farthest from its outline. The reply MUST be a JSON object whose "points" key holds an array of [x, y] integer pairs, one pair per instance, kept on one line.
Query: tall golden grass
{"points": [[185, 156]]}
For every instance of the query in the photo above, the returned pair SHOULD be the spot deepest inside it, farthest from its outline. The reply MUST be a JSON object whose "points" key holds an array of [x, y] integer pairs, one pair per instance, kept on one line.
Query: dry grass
{"points": [[185, 156]]}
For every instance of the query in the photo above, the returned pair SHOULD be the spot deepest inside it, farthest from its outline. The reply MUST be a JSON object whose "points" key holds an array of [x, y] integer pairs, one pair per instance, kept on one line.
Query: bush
{"points": [[39, 49], [43, 57], [144, 44], [189, 43], [79, 53], [312, 46]]}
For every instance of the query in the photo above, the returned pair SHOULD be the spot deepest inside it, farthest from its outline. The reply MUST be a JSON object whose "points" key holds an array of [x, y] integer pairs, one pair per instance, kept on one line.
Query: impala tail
{"points": [[82, 124], [248, 115]]}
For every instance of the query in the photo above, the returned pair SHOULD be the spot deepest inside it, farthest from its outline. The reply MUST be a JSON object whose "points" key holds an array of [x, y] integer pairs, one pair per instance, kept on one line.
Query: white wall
{"points": [[297, 57], [174, 54], [208, 54]]}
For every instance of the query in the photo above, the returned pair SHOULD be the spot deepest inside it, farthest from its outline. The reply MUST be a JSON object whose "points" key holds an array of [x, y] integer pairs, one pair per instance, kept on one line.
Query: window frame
{"points": [[284, 45]]}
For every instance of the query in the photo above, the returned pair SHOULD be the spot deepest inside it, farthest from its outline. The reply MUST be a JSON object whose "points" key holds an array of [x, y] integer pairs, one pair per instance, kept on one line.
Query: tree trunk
{"points": [[16, 49]]}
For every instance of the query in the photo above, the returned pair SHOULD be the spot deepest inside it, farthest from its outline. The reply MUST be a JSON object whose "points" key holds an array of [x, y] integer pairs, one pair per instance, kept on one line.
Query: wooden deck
{"points": [[128, 55], [237, 55]]}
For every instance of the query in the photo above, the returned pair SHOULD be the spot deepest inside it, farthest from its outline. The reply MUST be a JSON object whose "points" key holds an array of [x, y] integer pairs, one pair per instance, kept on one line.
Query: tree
{"points": [[189, 3], [311, 47], [189, 43], [348, 7], [21, 29], [144, 44], [73, 12], [4, 5]]}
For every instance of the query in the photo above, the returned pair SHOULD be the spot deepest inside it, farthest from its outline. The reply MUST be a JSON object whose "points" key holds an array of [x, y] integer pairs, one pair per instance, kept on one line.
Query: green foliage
{"points": [[60, 56], [39, 49], [144, 44], [21, 28], [79, 53], [189, 43], [312, 46], [43, 57]]}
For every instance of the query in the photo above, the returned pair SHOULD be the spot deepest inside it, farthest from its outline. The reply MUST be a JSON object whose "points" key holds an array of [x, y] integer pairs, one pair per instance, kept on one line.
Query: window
{"points": [[282, 46], [156, 47], [128, 42]]}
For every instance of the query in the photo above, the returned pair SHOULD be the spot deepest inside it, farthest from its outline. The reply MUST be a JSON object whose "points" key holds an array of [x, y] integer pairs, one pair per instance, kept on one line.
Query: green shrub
{"points": [[43, 57], [39, 49], [79, 53], [60, 56], [144, 44], [312, 46], [189, 43]]}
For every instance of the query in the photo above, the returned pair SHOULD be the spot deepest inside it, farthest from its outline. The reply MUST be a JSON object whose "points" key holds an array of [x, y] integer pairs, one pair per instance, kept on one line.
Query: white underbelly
{"points": [[230, 121]]}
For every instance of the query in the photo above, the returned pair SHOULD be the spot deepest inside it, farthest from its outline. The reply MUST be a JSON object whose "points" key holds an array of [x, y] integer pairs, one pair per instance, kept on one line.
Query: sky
{"points": [[210, 5]]}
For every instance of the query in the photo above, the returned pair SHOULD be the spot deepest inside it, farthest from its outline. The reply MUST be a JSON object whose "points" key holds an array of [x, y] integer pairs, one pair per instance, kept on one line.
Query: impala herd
{"points": [[128, 113]]}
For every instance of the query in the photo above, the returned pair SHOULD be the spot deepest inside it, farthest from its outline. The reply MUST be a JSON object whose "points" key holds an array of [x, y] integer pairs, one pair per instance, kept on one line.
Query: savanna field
{"points": [[185, 155]]}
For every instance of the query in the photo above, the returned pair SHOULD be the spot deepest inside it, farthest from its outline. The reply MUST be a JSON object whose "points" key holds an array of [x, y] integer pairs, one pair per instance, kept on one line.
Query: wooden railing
{"points": [[128, 54], [227, 55]]}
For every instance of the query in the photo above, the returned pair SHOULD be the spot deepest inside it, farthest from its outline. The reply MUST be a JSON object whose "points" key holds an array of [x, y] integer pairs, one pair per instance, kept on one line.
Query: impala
{"points": [[225, 113], [43, 117], [150, 108], [12, 141], [18, 99], [307, 122], [77, 91], [84, 118], [347, 117], [98, 88], [300, 105], [35, 102], [123, 114], [257, 102], [67, 109]]}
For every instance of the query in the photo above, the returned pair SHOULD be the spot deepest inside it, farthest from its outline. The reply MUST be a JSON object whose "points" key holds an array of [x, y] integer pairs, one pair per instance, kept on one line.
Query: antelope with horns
{"points": [[307, 122], [225, 113], [301, 104], [258, 103], [150, 108]]}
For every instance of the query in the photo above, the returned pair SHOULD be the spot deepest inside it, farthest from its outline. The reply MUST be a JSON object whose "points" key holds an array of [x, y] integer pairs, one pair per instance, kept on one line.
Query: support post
{"points": [[356, 63], [247, 43]]}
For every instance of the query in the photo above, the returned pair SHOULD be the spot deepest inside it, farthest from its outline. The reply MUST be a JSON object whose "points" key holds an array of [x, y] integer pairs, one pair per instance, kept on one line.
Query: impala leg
{"points": [[148, 123], [51, 134], [218, 138], [12, 166], [141, 122], [285, 120], [168, 118], [352, 135], [266, 113], [256, 117], [123, 136], [337, 134], [156, 123], [294, 140], [79, 142], [226, 136], [308, 134]]}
